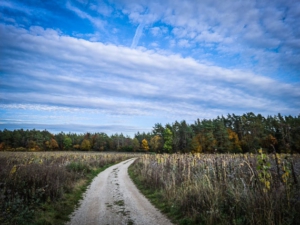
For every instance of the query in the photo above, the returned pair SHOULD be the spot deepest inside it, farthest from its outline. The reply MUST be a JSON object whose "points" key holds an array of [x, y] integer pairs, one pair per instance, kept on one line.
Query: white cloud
{"points": [[154, 44], [56, 78], [76, 73], [159, 31], [137, 35], [13, 6], [102, 8], [95, 21], [211, 37], [172, 43], [155, 31], [257, 28], [184, 43]]}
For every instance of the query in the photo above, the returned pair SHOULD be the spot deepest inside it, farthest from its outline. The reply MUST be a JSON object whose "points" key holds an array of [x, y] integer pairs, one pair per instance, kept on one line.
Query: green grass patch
{"points": [[119, 203]]}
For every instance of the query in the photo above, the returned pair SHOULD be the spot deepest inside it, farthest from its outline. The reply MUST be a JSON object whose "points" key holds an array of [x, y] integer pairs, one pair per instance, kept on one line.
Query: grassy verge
{"points": [[58, 212], [43, 188], [156, 197], [222, 189]]}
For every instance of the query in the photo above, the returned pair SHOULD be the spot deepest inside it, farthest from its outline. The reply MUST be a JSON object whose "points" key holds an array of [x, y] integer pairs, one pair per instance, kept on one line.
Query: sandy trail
{"points": [[112, 199]]}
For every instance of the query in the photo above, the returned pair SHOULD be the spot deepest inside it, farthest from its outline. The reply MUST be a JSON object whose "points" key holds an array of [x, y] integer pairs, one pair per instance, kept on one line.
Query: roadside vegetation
{"points": [[43, 188], [222, 188]]}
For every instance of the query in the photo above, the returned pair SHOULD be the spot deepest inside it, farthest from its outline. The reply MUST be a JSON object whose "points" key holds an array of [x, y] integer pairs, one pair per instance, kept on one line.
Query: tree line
{"points": [[230, 134]]}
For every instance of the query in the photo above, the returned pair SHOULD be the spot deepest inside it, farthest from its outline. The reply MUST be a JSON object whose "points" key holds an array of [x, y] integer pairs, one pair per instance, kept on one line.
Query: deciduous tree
{"points": [[85, 145], [196, 146], [235, 146], [156, 143], [144, 145]]}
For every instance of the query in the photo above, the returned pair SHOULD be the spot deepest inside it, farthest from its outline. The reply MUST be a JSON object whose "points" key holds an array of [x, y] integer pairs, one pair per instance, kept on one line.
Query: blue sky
{"points": [[122, 66]]}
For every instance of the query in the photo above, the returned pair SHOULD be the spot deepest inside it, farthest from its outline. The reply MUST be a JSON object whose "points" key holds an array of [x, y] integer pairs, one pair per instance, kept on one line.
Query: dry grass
{"points": [[29, 180], [225, 189]]}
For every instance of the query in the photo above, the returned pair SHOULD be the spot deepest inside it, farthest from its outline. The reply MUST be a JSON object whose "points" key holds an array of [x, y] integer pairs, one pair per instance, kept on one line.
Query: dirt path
{"points": [[113, 199]]}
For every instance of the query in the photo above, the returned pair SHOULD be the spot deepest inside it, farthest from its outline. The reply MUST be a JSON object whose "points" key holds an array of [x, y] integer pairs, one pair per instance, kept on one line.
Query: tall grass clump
{"points": [[225, 189], [29, 181]]}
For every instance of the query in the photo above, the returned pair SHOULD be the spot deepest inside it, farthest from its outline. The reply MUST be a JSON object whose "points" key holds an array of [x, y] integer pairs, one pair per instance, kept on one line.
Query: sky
{"points": [[120, 66]]}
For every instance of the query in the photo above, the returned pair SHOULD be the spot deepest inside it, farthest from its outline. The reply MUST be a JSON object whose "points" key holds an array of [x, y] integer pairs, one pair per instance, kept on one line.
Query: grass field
{"points": [[222, 189], [43, 188]]}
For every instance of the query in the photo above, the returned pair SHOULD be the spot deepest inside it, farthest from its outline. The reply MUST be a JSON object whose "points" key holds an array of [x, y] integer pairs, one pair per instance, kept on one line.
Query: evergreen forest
{"points": [[230, 134]]}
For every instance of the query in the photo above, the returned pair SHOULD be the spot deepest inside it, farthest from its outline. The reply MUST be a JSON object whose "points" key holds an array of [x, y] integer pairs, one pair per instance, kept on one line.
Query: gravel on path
{"points": [[113, 199]]}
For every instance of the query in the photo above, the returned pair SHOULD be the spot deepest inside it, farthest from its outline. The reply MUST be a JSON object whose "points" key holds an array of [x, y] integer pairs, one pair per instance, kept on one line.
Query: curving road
{"points": [[112, 199]]}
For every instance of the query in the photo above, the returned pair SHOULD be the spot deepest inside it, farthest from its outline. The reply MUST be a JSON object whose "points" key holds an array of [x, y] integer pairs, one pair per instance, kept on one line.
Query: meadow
{"points": [[44, 187], [222, 188]]}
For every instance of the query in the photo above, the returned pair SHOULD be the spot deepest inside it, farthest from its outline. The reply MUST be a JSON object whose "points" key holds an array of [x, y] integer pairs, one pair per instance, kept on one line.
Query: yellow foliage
{"points": [[267, 185], [145, 145], [76, 147], [234, 140], [196, 144], [13, 170], [85, 145], [53, 144], [270, 140], [156, 143]]}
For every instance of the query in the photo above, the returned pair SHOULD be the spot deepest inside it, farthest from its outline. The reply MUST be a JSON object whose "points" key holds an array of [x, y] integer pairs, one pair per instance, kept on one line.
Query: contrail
{"points": [[137, 35]]}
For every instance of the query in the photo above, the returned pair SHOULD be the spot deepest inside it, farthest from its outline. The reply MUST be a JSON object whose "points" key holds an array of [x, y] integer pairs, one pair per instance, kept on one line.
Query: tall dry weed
{"points": [[226, 189]]}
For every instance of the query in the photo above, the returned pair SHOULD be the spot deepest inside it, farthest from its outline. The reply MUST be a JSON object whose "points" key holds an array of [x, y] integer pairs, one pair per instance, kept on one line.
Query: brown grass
{"points": [[29, 180], [225, 189]]}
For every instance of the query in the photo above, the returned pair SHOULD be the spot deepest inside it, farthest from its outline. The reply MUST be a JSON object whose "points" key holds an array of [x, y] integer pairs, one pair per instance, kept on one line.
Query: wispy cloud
{"points": [[263, 37], [187, 59], [95, 21], [135, 81], [76, 128], [13, 6], [137, 35]]}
